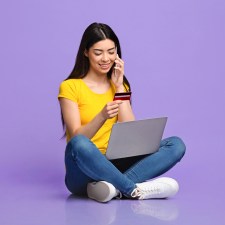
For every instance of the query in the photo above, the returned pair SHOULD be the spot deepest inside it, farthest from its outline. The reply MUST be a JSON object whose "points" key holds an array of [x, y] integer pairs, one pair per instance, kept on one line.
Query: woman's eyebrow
{"points": [[111, 49], [96, 49]]}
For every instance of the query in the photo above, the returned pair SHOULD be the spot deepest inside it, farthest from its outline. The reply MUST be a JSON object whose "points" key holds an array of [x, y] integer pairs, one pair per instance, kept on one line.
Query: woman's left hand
{"points": [[117, 74]]}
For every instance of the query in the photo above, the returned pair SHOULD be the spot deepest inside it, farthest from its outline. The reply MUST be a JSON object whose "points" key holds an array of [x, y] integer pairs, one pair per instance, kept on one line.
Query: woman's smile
{"points": [[105, 66]]}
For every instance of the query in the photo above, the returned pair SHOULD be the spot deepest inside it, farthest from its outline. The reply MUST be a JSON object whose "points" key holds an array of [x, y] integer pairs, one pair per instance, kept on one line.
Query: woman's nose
{"points": [[105, 57]]}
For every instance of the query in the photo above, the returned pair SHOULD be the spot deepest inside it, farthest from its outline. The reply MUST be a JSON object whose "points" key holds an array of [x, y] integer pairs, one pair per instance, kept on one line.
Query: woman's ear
{"points": [[86, 52]]}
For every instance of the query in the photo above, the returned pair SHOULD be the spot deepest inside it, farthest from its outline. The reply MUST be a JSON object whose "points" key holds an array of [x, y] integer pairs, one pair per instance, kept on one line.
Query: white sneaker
{"points": [[162, 187], [101, 191]]}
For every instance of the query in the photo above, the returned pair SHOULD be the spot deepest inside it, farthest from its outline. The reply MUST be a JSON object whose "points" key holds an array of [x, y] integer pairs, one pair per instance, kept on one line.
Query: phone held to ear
{"points": [[122, 96]]}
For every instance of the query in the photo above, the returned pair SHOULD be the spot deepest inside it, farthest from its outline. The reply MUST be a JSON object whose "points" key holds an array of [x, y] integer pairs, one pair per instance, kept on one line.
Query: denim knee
{"points": [[179, 147], [79, 144]]}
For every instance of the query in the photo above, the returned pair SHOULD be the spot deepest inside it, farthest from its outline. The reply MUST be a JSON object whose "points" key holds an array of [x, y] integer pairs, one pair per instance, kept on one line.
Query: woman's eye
{"points": [[111, 53], [97, 54]]}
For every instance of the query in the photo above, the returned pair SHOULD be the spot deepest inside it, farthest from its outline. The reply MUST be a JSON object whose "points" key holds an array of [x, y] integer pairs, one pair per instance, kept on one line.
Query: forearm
{"points": [[90, 129], [125, 112], [110, 110]]}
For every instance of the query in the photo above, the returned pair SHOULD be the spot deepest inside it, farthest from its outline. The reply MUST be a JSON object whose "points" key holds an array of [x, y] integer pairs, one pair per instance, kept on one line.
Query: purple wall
{"points": [[174, 53]]}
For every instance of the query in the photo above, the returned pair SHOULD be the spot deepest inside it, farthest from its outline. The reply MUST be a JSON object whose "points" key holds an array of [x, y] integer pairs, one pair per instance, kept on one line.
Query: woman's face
{"points": [[102, 56]]}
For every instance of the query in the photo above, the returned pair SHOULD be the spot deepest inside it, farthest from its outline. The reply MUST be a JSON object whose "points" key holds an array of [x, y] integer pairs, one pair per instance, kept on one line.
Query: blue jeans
{"points": [[85, 163]]}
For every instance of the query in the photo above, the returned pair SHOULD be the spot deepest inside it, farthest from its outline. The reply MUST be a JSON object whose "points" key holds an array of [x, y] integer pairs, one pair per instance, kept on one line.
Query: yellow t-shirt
{"points": [[89, 104]]}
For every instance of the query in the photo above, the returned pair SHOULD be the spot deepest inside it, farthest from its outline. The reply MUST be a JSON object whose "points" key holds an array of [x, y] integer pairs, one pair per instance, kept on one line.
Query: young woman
{"points": [[88, 114]]}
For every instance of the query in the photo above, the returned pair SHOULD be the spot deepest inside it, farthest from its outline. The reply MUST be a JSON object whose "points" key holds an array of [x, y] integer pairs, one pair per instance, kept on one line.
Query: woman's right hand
{"points": [[71, 116], [111, 109]]}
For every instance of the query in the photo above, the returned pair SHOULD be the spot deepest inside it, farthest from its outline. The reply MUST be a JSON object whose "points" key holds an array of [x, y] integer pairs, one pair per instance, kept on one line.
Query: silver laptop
{"points": [[139, 137]]}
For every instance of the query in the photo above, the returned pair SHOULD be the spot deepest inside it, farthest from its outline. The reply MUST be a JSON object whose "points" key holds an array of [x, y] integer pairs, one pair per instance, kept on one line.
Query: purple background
{"points": [[174, 53]]}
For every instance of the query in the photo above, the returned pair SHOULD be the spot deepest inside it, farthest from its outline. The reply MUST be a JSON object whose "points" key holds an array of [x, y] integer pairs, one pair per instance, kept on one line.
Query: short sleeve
{"points": [[127, 89], [68, 90]]}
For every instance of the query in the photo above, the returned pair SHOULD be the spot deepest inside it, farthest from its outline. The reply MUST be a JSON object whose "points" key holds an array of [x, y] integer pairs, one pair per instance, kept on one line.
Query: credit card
{"points": [[122, 96]]}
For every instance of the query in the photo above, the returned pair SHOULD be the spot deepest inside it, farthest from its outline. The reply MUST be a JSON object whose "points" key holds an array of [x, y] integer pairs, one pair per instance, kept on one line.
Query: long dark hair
{"points": [[94, 33]]}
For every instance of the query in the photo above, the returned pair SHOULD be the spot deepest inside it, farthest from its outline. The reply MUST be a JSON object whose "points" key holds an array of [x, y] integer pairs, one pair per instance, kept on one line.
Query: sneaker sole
{"points": [[99, 192]]}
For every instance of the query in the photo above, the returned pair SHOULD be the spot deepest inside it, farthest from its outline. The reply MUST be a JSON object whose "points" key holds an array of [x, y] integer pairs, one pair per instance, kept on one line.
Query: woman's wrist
{"points": [[120, 89]]}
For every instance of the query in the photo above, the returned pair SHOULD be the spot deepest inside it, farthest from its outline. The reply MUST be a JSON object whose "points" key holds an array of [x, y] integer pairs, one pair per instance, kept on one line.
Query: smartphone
{"points": [[122, 96], [115, 64]]}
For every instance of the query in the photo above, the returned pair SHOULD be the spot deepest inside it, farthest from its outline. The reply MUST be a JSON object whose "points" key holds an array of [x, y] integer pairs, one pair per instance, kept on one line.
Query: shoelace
{"points": [[136, 193], [142, 193]]}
